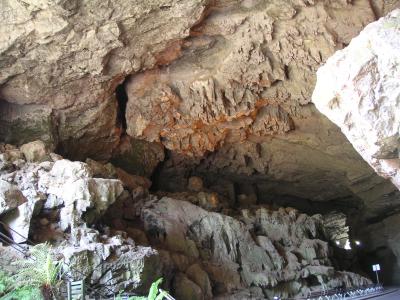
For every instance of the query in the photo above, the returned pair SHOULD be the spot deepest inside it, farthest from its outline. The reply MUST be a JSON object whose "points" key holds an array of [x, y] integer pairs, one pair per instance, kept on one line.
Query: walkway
{"points": [[387, 294]]}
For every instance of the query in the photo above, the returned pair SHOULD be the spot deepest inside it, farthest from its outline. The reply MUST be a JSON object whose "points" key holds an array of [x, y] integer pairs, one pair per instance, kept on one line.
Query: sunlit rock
{"points": [[358, 89]]}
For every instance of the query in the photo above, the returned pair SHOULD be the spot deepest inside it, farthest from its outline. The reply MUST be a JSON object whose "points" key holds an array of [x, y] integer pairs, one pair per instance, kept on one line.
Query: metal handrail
{"points": [[23, 250], [339, 293]]}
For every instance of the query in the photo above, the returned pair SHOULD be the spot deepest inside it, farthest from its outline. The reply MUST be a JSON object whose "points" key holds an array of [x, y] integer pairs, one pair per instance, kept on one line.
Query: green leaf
{"points": [[154, 289]]}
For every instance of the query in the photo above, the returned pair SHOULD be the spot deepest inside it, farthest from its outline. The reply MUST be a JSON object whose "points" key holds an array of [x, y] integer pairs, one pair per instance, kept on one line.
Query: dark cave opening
{"points": [[122, 99]]}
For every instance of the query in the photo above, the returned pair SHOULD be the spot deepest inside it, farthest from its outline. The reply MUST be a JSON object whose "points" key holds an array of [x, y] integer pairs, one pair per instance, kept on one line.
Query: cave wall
{"points": [[204, 73], [222, 87]]}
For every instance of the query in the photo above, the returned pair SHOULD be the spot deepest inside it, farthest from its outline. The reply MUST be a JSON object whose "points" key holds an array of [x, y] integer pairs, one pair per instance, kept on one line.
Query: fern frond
{"points": [[41, 270]]}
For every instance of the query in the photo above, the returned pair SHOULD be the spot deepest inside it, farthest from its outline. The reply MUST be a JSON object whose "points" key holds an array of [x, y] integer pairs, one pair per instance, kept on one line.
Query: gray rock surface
{"points": [[288, 249], [381, 242], [35, 151], [121, 238]]}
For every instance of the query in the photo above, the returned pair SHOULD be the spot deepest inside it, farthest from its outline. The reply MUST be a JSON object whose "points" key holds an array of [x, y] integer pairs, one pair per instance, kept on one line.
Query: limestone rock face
{"points": [[26, 186], [335, 225], [358, 89], [34, 151], [246, 70], [285, 256], [120, 237], [382, 243], [61, 62], [44, 197], [111, 262], [227, 84]]}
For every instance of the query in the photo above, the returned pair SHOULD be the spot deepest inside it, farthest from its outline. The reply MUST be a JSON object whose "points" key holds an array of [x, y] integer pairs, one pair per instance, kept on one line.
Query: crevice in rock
{"points": [[286, 70], [122, 99]]}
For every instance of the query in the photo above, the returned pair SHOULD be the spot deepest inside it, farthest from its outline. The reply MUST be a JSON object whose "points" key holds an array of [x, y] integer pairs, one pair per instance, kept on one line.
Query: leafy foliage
{"points": [[41, 270], [23, 293], [5, 283], [154, 292]]}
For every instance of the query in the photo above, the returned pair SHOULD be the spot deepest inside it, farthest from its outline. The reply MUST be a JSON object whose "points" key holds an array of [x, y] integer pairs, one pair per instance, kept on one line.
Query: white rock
{"points": [[10, 196], [84, 195], [19, 222], [359, 90], [34, 151], [65, 170]]}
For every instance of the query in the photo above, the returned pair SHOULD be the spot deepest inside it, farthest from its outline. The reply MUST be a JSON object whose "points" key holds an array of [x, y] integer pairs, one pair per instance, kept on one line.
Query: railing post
{"points": [[76, 290]]}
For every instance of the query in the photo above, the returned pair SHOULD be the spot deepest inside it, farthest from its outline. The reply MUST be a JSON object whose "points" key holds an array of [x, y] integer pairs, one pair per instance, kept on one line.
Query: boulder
{"points": [[130, 181], [113, 262], [101, 170], [35, 151], [71, 185], [336, 228], [68, 171], [86, 199], [358, 89], [18, 221], [186, 289], [10, 196]]}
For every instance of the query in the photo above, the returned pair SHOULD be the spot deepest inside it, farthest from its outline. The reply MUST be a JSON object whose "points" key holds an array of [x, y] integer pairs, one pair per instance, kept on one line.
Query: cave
{"points": [[199, 149]]}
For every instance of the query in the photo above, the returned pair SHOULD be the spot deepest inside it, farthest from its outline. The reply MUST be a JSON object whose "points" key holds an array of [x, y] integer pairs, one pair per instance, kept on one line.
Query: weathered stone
{"points": [[186, 289], [35, 151], [138, 236], [101, 170], [21, 124], [18, 221], [114, 263], [289, 250], [45, 53], [70, 184], [10, 197], [196, 274], [358, 90], [381, 243], [132, 182], [336, 229]]}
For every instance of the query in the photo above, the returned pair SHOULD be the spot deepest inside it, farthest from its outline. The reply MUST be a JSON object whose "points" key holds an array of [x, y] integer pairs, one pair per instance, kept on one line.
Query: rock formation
{"points": [[358, 89], [211, 100], [230, 77], [215, 251]]}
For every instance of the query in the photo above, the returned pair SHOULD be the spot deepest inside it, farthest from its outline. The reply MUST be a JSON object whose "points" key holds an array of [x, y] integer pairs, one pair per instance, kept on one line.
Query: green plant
{"points": [[23, 293], [154, 293], [40, 272], [5, 283]]}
